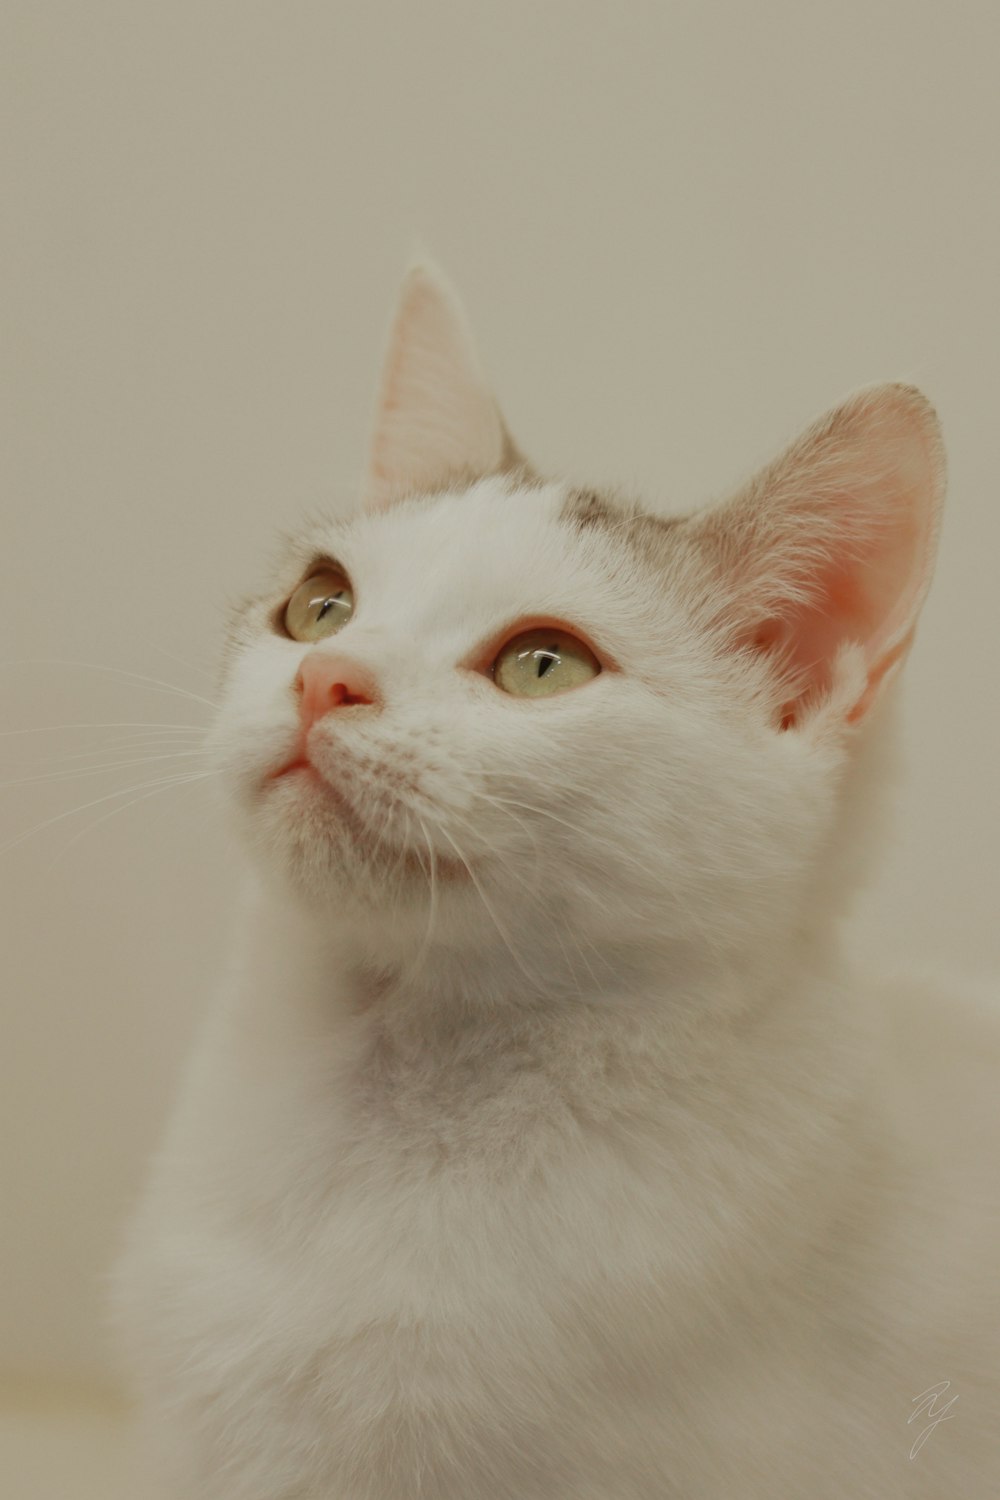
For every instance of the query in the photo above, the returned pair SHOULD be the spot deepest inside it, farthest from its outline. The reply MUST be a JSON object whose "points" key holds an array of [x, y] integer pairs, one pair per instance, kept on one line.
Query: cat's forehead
{"points": [[493, 551]]}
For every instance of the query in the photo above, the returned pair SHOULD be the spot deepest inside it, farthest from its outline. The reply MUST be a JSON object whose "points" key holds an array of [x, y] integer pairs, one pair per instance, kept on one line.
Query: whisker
{"points": [[600, 957], [192, 666], [122, 792], [389, 861], [503, 802], [387, 812], [116, 765], [432, 882], [596, 839], [530, 807], [399, 864], [143, 797], [122, 724], [492, 914], [495, 853], [152, 741], [156, 683]]}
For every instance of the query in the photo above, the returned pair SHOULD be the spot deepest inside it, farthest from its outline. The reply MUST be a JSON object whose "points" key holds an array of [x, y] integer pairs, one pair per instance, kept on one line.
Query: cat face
{"points": [[600, 795], [658, 766]]}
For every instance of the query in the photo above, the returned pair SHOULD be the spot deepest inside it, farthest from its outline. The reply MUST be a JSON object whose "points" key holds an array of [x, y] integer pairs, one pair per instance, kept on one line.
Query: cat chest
{"points": [[384, 1291], [422, 1336]]}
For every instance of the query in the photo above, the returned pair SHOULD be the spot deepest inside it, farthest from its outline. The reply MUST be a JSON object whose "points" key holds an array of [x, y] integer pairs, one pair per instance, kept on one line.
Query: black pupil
{"points": [[329, 603], [546, 660]]}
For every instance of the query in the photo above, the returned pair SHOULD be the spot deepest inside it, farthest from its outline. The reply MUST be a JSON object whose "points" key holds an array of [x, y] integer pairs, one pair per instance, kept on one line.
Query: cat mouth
{"points": [[419, 864], [301, 763]]}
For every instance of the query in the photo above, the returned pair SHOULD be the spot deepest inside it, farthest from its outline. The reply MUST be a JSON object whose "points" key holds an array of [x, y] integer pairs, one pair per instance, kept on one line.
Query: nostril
{"points": [[327, 681], [341, 696]]}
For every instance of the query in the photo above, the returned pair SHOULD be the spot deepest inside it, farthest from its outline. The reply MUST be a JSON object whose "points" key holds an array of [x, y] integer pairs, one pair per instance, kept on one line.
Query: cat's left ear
{"points": [[436, 420], [822, 562]]}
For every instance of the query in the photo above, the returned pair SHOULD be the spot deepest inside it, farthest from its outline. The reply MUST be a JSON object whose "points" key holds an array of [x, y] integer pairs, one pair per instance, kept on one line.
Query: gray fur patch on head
{"points": [[649, 535]]}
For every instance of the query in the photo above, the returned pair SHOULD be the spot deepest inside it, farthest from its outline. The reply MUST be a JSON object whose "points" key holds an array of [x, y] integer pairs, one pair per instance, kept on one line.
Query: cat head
{"points": [[496, 714]]}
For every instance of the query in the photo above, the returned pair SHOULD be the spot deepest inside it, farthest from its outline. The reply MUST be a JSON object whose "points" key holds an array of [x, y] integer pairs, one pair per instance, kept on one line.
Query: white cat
{"points": [[543, 1146]]}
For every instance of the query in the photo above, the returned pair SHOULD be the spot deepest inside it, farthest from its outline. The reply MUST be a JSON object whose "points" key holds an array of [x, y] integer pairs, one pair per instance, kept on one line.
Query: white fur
{"points": [[594, 1173]]}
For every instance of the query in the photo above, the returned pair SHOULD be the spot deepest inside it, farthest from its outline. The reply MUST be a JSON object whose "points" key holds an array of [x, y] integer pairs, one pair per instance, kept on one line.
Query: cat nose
{"points": [[326, 680]]}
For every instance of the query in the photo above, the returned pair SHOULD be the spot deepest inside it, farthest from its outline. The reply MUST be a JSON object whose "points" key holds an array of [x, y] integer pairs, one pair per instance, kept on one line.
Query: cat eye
{"points": [[540, 662], [321, 605]]}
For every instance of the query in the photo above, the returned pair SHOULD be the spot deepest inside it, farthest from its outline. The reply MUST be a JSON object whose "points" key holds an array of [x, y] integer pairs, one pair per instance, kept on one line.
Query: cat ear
{"points": [[832, 546], [436, 418]]}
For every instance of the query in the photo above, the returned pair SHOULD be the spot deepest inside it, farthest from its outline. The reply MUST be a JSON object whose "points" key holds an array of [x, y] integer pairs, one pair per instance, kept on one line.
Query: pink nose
{"points": [[327, 680]]}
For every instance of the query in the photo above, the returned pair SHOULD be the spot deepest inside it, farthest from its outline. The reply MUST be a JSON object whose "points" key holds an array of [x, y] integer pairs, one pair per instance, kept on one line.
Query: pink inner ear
{"points": [[807, 640], [841, 611], [847, 605], [435, 417], [840, 534]]}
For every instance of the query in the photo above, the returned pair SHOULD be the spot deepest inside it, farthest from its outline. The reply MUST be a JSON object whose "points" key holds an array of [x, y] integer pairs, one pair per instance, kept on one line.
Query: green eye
{"points": [[320, 606], [541, 662]]}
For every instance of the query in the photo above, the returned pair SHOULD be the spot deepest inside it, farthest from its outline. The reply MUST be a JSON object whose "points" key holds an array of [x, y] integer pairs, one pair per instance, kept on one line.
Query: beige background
{"points": [[681, 230]]}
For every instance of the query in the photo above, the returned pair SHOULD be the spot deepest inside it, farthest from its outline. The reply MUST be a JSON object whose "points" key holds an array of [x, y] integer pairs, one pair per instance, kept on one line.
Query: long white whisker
{"points": [[492, 914], [504, 803], [530, 807], [432, 881], [126, 724], [123, 807], [152, 740], [116, 765], [591, 837], [192, 666], [155, 683], [518, 875], [378, 845], [495, 853], [122, 792], [400, 861]]}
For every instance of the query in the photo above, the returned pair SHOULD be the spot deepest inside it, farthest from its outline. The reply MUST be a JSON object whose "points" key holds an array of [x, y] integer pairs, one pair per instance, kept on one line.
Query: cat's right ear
{"points": [[436, 420], [821, 564]]}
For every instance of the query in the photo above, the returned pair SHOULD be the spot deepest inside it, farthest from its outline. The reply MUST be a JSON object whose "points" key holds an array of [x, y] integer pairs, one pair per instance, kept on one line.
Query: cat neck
{"points": [[332, 969]]}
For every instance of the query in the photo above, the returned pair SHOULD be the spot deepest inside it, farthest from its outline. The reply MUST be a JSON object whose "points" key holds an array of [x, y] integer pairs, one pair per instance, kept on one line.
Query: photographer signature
{"points": [[927, 1408]]}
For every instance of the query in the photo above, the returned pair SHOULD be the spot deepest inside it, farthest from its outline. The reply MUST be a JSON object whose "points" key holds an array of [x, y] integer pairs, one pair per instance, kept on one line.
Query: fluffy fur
{"points": [[543, 1145]]}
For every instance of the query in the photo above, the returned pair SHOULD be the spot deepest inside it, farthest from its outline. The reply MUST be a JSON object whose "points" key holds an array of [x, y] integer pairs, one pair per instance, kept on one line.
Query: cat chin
{"points": [[309, 802], [305, 832]]}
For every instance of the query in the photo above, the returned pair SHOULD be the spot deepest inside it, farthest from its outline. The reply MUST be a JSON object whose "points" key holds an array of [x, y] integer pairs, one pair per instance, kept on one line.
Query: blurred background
{"points": [[681, 231]]}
